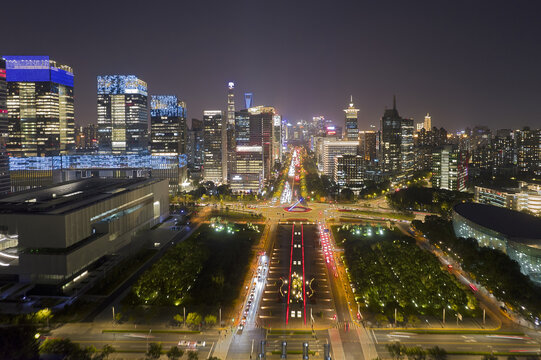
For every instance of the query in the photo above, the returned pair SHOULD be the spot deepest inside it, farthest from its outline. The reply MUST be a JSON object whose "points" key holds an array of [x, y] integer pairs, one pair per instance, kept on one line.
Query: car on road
{"points": [[200, 343], [183, 343]]}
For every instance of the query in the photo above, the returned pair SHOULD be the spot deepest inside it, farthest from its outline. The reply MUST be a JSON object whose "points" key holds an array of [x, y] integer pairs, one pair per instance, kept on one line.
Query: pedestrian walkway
{"points": [[222, 345], [336, 344]]}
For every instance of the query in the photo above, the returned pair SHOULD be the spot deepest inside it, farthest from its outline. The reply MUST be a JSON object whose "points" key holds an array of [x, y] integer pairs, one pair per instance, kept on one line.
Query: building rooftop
{"points": [[68, 196], [515, 225]]}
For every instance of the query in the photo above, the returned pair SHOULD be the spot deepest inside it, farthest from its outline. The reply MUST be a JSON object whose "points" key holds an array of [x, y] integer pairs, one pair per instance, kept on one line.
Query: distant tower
{"points": [[249, 100], [352, 128], [428, 122], [231, 143]]}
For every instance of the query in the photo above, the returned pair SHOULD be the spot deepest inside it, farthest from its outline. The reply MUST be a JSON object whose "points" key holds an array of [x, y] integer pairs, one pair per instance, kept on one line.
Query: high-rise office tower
{"points": [[231, 143], [428, 122], [352, 127], [396, 148], [122, 114], [195, 146], [213, 128], [40, 106], [242, 127], [248, 100], [367, 145], [4, 134], [262, 134], [528, 143], [167, 125], [449, 168], [349, 171]]}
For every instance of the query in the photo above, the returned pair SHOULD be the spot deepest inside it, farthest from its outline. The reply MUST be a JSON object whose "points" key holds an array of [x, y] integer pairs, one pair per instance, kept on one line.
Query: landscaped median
{"points": [[140, 331]]}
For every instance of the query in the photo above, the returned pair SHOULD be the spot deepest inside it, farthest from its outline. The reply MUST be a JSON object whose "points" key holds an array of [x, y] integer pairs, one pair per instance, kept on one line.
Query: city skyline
{"points": [[480, 73]]}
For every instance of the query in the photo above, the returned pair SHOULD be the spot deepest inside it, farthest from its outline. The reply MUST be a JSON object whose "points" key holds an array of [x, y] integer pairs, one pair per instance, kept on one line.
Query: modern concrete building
{"points": [[449, 168], [526, 197], [62, 231], [214, 126], [512, 232], [333, 148], [349, 171], [352, 125]]}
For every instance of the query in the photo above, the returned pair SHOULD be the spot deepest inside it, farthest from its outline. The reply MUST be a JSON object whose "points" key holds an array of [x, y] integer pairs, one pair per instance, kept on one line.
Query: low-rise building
{"points": [[62, 231]]}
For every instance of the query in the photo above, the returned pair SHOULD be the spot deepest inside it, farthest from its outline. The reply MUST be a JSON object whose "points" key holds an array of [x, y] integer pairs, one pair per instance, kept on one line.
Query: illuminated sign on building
{"points": [[121, 84]]}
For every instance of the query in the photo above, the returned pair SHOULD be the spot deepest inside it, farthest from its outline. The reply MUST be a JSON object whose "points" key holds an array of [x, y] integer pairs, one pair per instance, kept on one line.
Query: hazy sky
{"points": [[466, 62]]}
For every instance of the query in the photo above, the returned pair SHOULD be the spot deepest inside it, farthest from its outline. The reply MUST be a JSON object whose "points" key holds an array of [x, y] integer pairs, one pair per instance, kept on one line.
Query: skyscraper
{"points": [[352, 127], [428, 122], [248, 100], [367, 145], [4, 134], [40, 106], [449, 168], [122, 114], [231, 143], [397, 157], [167, 125], [195, 146], [213, 127]]}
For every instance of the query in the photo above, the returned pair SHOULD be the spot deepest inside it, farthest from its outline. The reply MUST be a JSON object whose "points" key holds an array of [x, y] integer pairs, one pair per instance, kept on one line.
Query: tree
{"points": [[416, 353], [193, 319], [118, 316], [58, 347], [178, 318], [437, 353], [192, 355], [490, 357], [19, 343], [346, 194], [396, 350], [154, 351], [44, 315], [413, 320], [210, 320], [174, 353], [107, 350]]}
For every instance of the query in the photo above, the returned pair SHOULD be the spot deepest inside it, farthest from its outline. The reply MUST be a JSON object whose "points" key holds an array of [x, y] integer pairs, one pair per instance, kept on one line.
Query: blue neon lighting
{"points": [[35, 68], [166, 105], [121, 85], [75, 162]]}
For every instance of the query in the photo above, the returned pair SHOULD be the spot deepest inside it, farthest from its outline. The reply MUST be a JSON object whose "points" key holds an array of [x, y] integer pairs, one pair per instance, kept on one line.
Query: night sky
{"points": [[466, 62]]}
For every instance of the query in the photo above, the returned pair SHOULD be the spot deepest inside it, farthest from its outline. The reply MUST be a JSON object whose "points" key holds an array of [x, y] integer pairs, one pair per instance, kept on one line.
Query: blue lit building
{"points": [[4, 159], [32, 172], [40, 106], [167, 125], [122, 114]]}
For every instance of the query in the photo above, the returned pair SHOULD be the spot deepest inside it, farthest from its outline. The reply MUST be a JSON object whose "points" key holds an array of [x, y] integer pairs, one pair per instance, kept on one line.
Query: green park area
{"points": [[201, 273], [490, 267], [389, 271]]}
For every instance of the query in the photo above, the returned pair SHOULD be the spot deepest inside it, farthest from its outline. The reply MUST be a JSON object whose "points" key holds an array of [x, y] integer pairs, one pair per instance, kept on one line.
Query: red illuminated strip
{"points": [[303, 278], [290, 263]]}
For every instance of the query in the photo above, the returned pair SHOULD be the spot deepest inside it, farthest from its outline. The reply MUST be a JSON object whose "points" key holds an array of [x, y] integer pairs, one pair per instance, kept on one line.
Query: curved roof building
{"points": [[516, 234]]}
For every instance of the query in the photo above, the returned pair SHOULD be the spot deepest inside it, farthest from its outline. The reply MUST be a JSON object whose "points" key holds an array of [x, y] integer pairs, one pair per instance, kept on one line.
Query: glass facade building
{"points": [[4, 134], [122, 114], [512, 232], [40, 106], [352, 126], [167, 125], [213, 127]]}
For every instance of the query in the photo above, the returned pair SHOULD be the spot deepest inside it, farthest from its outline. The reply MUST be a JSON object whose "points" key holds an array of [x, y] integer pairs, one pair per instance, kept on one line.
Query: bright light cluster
{"points": [[325, 244]]}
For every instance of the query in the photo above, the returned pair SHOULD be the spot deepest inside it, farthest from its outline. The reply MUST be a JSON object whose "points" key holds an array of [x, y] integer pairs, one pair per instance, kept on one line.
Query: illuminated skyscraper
{"points": [[213, 128], [230, 145], [40, 106], [167, 125], [352, 127], [397, 157], [122, 114], [195, 146], [449, 168], [4, 135], [367, 145], [248, 100], [428, 122]]}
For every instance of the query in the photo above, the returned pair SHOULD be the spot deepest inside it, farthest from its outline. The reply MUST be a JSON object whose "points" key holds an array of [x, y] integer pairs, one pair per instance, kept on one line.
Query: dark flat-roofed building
{"points": [[59, 232]]}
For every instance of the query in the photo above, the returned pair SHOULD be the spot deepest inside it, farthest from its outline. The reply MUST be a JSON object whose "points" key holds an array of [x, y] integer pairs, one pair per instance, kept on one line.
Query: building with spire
{"points": [[352, 127], [397, 157]]}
